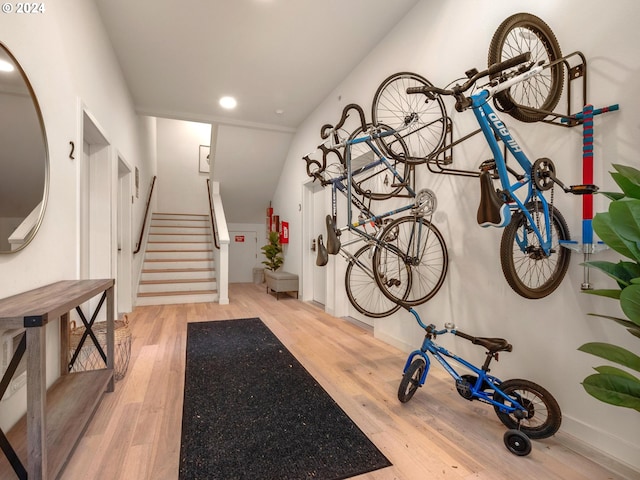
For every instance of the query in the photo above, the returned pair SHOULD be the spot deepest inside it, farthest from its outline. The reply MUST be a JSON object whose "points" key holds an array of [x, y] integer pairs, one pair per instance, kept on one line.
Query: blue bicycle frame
{"points": [[342, 183], [483, 379], [493, 127]]}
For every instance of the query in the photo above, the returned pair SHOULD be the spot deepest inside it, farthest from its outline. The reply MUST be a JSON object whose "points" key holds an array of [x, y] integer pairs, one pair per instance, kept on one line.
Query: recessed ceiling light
{"points": [[5, 66], [228, 102], [279, 111]]}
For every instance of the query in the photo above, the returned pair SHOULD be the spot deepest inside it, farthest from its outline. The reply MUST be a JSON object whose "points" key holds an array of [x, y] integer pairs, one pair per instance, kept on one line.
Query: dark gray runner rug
{"points": [[251, 411]]}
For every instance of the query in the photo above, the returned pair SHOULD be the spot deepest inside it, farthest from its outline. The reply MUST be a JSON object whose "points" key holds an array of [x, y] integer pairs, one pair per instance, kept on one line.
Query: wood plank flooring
{"points": [[135, 433]]}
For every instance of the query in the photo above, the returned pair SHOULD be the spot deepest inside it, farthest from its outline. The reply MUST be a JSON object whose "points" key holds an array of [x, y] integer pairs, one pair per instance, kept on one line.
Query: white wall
{"points": [[67, 57], [182, 188], [441, 40]]}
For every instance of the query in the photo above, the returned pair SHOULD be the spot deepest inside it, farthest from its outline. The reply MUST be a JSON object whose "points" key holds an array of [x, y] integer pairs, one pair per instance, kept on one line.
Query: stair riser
{"points": [[179, 237], [177, 216], [182, 246], [172, 300], [179, 230], [177, 287], [184, 255], [182, 264], [181, 223], [176, 275]]}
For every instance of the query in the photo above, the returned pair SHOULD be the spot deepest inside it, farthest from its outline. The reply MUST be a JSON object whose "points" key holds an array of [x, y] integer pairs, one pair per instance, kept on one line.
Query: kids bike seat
{"points": [[492, 344]]}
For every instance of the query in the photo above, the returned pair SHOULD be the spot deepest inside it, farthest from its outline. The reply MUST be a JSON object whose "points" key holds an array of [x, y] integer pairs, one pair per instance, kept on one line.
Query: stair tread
{"points": [[178, 250], [177, 280], [166, 270], [156, 260], [178, 292]]}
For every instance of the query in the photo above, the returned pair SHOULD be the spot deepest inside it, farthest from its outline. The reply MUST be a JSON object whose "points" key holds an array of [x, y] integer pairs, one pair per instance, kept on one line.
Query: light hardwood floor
{"points": [[135, 433]]}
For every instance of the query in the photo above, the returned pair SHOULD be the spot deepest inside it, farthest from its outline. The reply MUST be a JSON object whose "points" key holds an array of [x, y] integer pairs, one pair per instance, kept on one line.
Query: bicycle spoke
{"points": [[415, 252], [392, 106]]}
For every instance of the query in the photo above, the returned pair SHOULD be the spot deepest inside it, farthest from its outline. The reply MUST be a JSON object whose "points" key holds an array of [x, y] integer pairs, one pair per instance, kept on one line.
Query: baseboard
{"points": [[572, 432]]}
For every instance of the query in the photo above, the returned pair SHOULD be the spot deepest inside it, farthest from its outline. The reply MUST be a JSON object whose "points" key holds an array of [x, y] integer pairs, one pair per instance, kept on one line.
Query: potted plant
{"points": [[273, 252], [619, 228]]}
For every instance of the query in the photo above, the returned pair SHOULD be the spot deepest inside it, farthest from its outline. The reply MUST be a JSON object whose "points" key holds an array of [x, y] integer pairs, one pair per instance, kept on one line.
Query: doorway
{"points": [[243, 256], [314, 285], [124, 286], [95, 233]]}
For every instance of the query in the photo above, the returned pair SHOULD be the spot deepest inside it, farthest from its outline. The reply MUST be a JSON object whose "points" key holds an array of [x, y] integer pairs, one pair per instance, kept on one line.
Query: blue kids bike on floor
{"points": [[525, 408]]}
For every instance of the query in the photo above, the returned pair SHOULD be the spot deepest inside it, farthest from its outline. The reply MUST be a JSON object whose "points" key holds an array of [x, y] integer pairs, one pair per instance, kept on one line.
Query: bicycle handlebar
{"points": [[458, 89]]}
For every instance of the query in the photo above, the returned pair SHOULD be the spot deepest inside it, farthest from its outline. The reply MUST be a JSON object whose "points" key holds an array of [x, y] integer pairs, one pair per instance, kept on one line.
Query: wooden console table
{"points": [[56, 418]]}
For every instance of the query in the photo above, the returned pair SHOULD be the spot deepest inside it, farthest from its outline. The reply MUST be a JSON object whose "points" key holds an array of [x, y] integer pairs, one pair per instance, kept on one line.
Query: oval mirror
{"points": [[24, 158]]}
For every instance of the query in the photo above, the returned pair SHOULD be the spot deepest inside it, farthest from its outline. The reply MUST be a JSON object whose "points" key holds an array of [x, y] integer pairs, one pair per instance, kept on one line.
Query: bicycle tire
{"points": [[543, 417], [392, 106], [521, 33], [411, 380], [530, 273], [400, 263], [517, 442], [362, 290], [377, 183]]}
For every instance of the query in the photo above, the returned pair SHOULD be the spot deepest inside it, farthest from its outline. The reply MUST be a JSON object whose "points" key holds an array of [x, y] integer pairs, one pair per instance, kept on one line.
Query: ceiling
{"points": [[279, 58]]}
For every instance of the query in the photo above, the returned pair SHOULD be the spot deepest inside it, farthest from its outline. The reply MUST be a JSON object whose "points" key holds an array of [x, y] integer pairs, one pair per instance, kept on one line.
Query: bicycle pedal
{"points": [[583, 189]]}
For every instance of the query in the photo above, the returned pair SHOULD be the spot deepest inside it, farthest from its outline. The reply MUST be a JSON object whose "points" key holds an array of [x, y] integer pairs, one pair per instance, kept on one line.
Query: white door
{"points": [[319, 227], [96, 242], [124, 266], [243, 256]]}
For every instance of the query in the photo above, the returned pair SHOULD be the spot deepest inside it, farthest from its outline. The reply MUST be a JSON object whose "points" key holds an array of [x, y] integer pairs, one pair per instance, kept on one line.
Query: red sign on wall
{"points": [[239, 238], [284, 232]]}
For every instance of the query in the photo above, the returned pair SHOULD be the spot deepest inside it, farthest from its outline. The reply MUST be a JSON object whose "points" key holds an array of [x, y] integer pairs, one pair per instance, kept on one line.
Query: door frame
{"points": [[124, 237]]}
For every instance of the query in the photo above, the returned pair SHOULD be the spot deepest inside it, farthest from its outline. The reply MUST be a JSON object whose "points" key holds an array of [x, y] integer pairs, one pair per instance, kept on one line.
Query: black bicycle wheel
{"points": [[412, 250], [379, 182], [517, 442], [411, 380], [542, 418], [392, 106], [362, 290], [521, 33], [530, 272]]}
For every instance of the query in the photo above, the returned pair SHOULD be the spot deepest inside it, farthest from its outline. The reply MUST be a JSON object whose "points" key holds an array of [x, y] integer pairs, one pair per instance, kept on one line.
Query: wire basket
{"points": [[89, 358]]}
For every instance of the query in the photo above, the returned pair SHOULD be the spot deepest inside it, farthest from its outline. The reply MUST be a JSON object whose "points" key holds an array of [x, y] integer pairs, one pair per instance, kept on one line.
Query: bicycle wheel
{"points": [[521, 33], [517, 442], [530, 272], [377, 182], [393, 107], [543, 416], [412, 255], [411, 380], [362, 290]]}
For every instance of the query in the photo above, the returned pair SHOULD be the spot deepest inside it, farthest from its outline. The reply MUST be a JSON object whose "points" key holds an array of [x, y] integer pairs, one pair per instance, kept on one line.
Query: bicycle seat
{"points": [[493, 344]]}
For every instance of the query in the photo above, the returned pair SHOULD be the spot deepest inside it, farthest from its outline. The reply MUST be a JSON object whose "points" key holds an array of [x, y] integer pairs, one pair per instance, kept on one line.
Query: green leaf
{"points": [[630, 303], [613, 195], [614, 390], [628, 186], [613, 353], [622, 272], [634, 331], [605, 293], [625, 216], [622, 321], [608, 233], [632, 175], [608, 370]]}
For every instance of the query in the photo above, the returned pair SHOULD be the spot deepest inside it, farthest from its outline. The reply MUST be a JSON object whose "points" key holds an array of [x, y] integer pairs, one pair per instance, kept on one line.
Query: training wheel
{"points": [[517, 442]]}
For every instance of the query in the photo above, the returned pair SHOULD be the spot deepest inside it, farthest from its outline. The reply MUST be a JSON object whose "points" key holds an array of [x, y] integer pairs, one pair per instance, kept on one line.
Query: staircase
{"points": [[178, 262]]}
